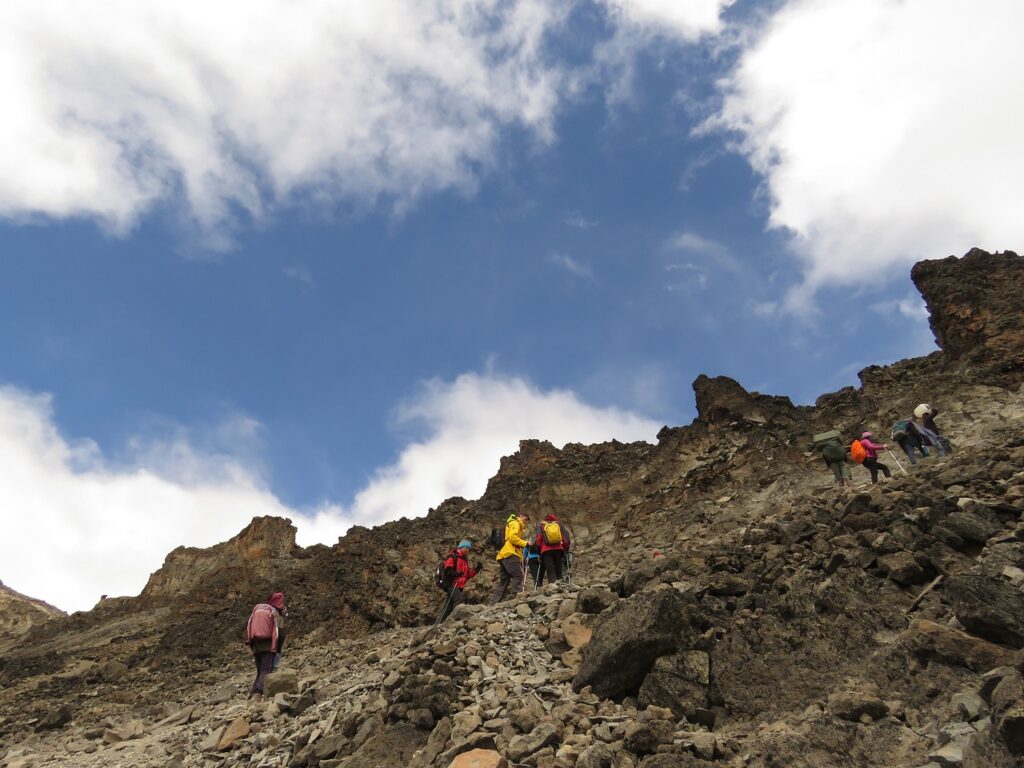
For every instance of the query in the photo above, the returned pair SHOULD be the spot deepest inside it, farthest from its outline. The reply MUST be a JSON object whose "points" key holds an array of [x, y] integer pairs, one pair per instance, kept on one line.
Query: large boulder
{"points": [[626, 643], [988, 607], [931, 640], [679, 681]]}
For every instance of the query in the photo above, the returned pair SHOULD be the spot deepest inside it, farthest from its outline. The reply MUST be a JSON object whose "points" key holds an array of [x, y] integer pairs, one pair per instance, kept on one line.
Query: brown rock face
{"points": [[19, 613], [227, 568], [976, 305], [723, 400]]}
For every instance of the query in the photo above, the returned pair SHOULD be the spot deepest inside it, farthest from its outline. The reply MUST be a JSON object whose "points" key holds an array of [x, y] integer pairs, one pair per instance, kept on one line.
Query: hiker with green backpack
{"points": [[835, 457]]}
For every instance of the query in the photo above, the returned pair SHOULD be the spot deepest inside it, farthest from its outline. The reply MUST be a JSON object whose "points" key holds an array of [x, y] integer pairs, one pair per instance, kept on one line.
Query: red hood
{"points": [[276, 599]]}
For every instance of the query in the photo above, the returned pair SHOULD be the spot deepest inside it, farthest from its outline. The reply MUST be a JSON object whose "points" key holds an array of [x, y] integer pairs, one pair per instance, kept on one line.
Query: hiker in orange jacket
{"points": [[553, 541], [871, 462]]}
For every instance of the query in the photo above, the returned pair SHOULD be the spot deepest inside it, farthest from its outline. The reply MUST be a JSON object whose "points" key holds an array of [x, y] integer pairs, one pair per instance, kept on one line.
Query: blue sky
{"points": [[335, 264]]}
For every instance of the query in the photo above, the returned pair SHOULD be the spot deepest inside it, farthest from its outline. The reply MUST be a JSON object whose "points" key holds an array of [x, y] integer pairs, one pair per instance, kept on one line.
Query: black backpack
{"points": [[497, 538], [444, 574]]}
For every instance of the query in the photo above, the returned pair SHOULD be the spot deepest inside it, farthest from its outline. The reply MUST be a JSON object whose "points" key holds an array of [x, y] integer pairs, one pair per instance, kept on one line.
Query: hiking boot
{"points": [[256, 698]]}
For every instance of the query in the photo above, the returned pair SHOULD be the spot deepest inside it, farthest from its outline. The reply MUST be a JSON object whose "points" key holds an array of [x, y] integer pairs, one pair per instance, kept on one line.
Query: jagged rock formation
{"points": [[730, 607]]}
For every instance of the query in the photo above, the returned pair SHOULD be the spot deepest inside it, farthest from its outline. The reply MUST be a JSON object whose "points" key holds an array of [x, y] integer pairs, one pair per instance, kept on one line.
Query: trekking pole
{"points": [[444, 611], [898, 463]]}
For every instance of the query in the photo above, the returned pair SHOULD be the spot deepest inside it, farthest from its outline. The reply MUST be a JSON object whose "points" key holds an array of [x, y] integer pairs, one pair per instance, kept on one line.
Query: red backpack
{"points": [[858, 452]]}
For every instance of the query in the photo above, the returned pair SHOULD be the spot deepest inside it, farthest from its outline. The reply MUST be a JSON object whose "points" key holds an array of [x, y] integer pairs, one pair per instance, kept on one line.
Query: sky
{"points": [[333, 260]]}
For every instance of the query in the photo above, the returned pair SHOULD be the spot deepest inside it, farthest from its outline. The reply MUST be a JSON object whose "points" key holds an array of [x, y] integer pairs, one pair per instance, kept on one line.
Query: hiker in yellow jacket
{"points": [[510, 558]]}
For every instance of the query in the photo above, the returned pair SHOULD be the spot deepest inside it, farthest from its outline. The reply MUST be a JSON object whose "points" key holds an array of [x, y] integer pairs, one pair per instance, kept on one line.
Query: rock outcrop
{"points": [[20, 613]]}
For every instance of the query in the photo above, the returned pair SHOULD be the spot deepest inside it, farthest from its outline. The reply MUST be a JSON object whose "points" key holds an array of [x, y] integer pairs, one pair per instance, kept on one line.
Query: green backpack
{"points": [[833, 452]]}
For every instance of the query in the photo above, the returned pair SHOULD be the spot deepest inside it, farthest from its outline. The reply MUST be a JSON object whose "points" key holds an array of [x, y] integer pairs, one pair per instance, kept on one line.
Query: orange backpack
{"points": [[858, 452]]}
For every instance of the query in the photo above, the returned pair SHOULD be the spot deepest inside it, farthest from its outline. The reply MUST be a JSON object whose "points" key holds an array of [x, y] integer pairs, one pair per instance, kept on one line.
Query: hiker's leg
{"points": [[454, 599], [885, 470], [256, 661], [559, 561], [515, 576], [837, 470], [264, 663], [547, 564], [872, 466], [499, 588], [908, 448], [540, 571]]}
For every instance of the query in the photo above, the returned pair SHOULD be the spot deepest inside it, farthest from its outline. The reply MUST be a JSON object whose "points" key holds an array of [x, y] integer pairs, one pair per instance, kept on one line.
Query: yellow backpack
{"points": [[552, 534]]}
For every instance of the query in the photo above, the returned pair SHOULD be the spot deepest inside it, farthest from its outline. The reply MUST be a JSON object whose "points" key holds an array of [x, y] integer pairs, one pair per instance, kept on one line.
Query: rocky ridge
{"points": [[729, 607], [19, 613]]}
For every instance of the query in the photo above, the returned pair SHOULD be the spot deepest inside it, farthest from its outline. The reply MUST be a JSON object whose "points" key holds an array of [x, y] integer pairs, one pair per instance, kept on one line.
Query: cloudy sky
{"points": [[332, 260]]}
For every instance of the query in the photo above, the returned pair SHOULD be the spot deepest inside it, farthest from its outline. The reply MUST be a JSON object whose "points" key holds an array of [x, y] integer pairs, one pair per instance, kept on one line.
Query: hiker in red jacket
{"points": [[553, 541], [871, 462], [457, 572], [262, 634]]}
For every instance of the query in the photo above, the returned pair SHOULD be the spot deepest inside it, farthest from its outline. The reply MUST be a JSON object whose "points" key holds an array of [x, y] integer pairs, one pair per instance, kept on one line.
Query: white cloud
{"points": [[886, 130], [579, 221], [300, 273], [235, 107], [689, 18], [110, 108], [571, 265], [471, 423], [76, 527], [77, 524]]}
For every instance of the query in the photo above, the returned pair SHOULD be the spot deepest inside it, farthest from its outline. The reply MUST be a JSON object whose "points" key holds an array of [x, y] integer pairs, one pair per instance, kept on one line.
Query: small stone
{"points": [[212, 739], [951, 755], [55, 718], [479, 758], [235, 732], [524, 610], [705, 745], [969, 704], [282, 681], [130, 730]]}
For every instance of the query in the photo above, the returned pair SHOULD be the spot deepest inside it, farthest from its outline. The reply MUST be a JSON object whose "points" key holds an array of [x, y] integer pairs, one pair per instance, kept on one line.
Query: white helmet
{"points": [[922, 409]]}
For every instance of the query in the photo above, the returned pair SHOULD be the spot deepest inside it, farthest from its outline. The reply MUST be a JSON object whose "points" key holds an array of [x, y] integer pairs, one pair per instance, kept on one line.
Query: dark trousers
{"points": [[510, 579], [454, 600], [533, 566], [551, 565], [873, 465], [264, 663]]}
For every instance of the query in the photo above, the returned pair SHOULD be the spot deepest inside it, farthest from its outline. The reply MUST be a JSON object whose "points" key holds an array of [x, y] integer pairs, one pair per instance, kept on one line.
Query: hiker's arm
{"points": [[517, 540]]}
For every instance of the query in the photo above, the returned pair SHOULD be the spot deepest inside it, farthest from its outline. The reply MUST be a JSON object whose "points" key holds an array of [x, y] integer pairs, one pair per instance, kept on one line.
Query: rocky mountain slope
{"points": [[728, 607]]}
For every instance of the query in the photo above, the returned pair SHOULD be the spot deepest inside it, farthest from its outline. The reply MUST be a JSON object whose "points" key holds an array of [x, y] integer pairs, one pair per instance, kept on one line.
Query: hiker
{"points": [[261, 634], [871, 462], [929, 429], [554, 543], [510, 558], [531, 558], [276, 599], [909, 438], [457, 572], [835, 457]]}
